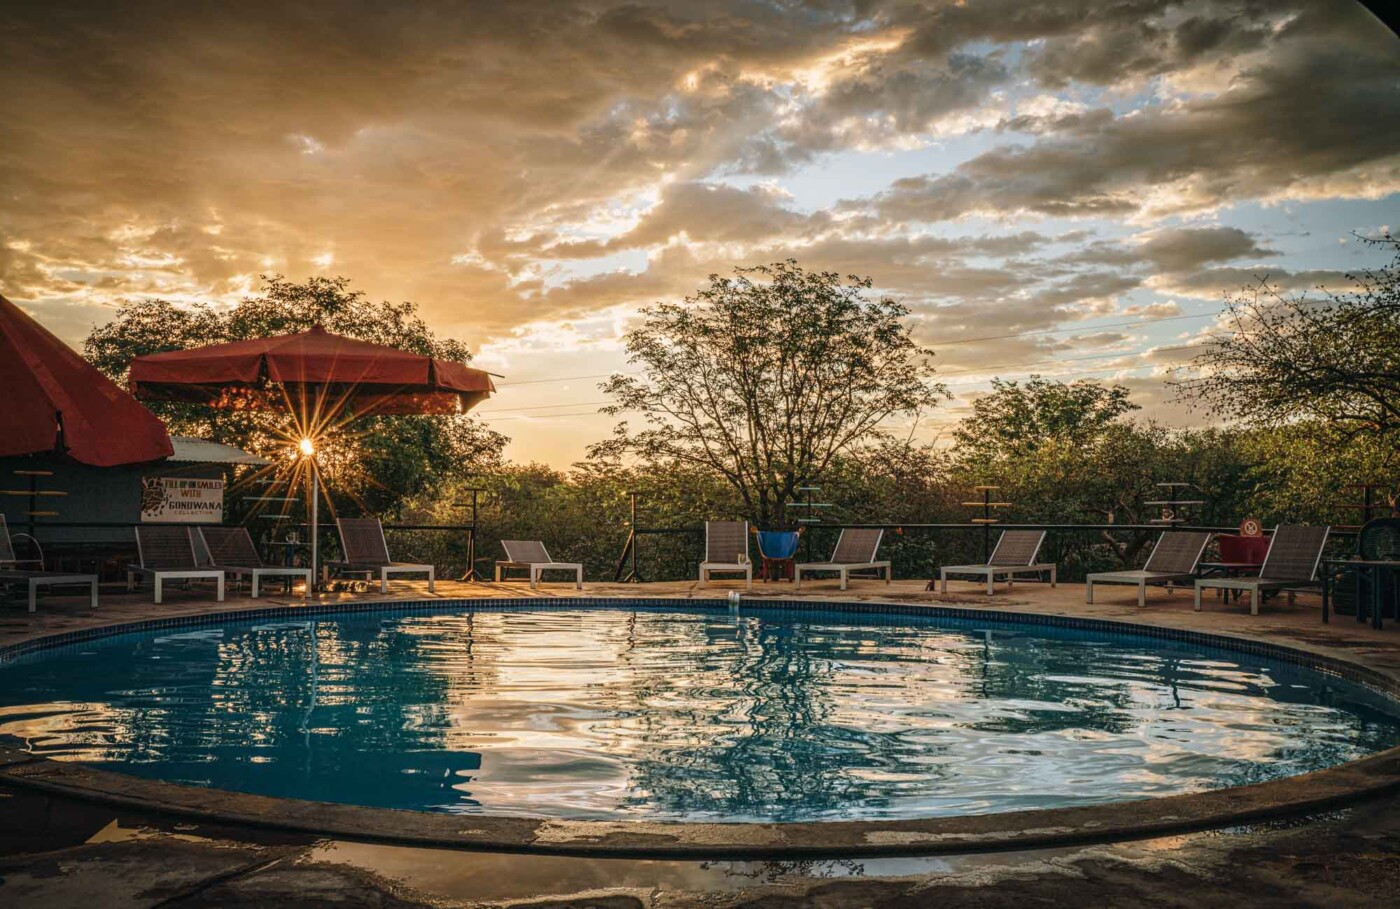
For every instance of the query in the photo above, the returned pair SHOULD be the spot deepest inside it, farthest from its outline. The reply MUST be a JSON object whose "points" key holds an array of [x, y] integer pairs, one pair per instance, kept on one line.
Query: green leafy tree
{"points": [[371, 464], [765, 377], [1017, 418], [1286, 358]]}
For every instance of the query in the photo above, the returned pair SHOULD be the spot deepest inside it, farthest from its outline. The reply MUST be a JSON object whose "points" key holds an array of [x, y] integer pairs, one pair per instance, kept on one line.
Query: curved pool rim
{"points": [[1302, 794]]}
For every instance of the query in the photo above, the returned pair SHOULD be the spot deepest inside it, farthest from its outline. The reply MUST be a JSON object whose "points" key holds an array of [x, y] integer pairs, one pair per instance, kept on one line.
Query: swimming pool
{"points": [[680, 712]]}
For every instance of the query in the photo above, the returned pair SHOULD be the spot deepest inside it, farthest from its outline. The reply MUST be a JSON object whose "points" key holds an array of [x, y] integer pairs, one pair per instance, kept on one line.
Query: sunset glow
{"points": [[1070, 199]]}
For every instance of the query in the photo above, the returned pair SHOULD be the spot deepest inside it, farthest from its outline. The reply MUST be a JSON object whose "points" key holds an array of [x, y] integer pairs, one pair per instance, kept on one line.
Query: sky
{"points": [[1065, 187]]}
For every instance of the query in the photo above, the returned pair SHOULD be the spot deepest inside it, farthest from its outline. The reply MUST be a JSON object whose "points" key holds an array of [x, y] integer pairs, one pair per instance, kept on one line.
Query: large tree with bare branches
{"points": [[1334, 358], [765, 377]]}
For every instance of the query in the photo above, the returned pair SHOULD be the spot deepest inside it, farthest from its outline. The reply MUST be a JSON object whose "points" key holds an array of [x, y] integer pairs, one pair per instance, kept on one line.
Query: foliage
{"points": [[1335, 359], [1064, 453], [1015, 419], [765, 378], [370, 465]]}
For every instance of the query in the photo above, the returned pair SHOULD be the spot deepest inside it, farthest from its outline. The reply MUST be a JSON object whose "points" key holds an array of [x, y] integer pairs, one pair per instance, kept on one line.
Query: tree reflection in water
{"points": [[668, 713]]}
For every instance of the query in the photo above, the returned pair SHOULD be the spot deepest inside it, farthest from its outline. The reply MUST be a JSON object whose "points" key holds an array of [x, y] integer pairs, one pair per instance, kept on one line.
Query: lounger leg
{"points": [[254, 583], [797, 579], [703, 573], [94, 595], [1089, 591], [432, 580], [130, 582], [845, 578], [158, 585], [943, 580], [383, 580], [1290, 597], [219, 593], [534, 578], [1052, 576], [748, 576], [1198, 597], [991, 583], [1142, 594], [1254, 602], [889, 575], [578, 578], [34, 594]]}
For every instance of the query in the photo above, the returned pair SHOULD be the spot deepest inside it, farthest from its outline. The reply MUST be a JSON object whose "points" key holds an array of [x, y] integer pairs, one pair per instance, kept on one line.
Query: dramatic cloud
{"points": [[1034, 180]]}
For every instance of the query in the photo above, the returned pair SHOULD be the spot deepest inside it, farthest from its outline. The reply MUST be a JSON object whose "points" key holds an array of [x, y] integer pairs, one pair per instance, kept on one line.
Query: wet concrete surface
{"points": [[59, 853]]}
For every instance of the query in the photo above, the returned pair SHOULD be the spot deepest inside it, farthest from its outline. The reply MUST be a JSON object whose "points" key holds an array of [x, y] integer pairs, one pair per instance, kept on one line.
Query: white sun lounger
{"points": [[1295, 550], [1014, 554], [366, 552], [531, 556], [727, 550], [1174, 558], [231, 551], [855, 550], [167, 554]]}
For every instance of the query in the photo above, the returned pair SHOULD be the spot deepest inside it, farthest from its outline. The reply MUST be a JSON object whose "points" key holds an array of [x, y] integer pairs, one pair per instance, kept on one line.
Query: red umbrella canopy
{"points": [[314, 369], [55, 401]]}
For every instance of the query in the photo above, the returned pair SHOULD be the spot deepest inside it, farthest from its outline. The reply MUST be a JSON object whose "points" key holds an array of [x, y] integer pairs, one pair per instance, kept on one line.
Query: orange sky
{"points": [[1062, 187]]}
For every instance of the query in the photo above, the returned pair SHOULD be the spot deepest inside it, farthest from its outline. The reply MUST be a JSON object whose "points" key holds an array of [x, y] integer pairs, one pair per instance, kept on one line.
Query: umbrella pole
{"points": [[315, 502]]}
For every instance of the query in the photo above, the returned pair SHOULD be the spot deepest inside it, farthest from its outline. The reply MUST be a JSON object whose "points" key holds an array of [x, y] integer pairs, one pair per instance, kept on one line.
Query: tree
{"points": [[765, 377], [1335, 359], [375, 461], [1016, 419]]}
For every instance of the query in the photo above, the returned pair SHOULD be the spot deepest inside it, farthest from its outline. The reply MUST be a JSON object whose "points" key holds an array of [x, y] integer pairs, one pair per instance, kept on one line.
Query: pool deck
{"points": [[369, 874]]}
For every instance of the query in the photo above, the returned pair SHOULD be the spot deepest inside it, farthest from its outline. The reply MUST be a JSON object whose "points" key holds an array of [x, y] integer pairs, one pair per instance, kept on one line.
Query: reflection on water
{"points": [[684, 714]]}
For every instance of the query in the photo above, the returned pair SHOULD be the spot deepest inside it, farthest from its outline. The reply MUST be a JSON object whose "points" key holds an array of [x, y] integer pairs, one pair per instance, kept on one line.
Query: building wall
{"points": [[94, 494]]}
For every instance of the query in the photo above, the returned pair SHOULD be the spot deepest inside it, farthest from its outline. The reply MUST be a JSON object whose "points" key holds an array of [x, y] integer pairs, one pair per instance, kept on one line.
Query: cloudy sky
{"points": [[1063, 187]]}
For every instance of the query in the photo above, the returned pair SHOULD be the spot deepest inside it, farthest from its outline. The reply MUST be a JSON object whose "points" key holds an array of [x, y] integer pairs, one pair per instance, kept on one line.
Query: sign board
{"points": [[182, 500], [1251, 527]]}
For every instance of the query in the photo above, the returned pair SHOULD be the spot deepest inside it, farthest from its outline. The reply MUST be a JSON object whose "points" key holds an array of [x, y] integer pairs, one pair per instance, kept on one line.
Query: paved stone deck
{"points": [[57, 852]]}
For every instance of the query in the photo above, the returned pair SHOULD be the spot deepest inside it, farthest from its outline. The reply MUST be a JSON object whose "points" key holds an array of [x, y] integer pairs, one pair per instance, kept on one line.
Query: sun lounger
{"points": [[855, 551], [531, 556], [1174, 558], [8, 557], [1014, 554], [36, 577], [231, 551], [366, 552], [1291, 562], [727, 550], [167, 554]]}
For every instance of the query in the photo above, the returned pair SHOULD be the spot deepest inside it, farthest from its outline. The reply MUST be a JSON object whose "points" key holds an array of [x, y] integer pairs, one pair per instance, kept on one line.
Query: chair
{"points": [[533, 557], [167, 554], [1291, 562], [855, 551], [1174, 558], [777, 551], [11, 573], [727, 550], [1014, 554], [8, 558], [231, 550], [366, 552]]}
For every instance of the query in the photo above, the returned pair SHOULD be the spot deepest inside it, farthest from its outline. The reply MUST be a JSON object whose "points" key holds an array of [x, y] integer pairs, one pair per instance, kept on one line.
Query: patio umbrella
{"points": [[55, 401], [305, 370], [319, 377]]}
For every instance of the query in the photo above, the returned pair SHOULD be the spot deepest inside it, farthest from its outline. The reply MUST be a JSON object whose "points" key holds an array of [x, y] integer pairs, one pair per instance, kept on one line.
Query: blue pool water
{"points": [[677, 713]]}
